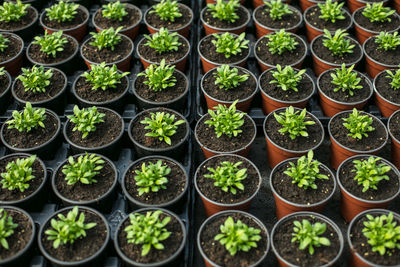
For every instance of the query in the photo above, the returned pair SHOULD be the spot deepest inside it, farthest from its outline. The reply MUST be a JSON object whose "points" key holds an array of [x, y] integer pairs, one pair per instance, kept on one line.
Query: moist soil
{"points": [[304, 87], [225, 24], [394, 125], [14, 46], [209, 51], [385, 89], [325, 54], [286, 58], [167, 94], [287, 21], [291, 252], [207, 187], [389, 57], [120, 52], [326, 86], [156, 22], [171, 244], [208, 138], [21, 236], [374, 139], [218, 254], [175, 185], [69, 50], [361, 246], [34, 184], [242, 91], [377, 26], [86, 192], [139, 131], [4, 83], [106, 132], [312, 17], [83, 247], [127, 21], [23, 22], [57, 84], [79, 18], [35, 137], [285, 188]]}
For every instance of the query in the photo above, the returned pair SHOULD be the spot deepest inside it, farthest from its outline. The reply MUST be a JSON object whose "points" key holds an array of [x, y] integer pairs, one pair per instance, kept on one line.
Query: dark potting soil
{"points": [[156, 22], [285, 188], [23, 22], [374, 140], [14, 46], [287, 21], [139, 131], [57, 84], [82, 248], [175, 185], [225, 24], [79, 18], [86, 192], [219, 254], [385, 89], [21, 236], [313, 19], [14, 195], [4, 83], [207, 187], [127, 21], [291, 252], [242, 91], [209, 51], [35, 137], [120, 52], [394, 125], [69, 50], [286, 58], [208, 138], [171, 244], [389, 57], [106, 132], [377, 26], [326, 85], [304, 87], [361, 246], [167, 94]]}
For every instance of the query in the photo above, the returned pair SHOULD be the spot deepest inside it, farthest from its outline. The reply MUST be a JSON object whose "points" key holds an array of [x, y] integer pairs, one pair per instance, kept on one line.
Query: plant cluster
{"points": [[230, 45], [10, 11], [281, 41], [395, 79], [35, 79], [377, 12], [228, 176], [225, 10], [338, 44], [331, 11], [277, 9], [62, 11], [18, 174], [3, 42], [103, 77], [152, 177], [369, 172], [148, 230], [387, 41], [85, 119], [308, 235], [30, 118], [158, 78], [7, 227], [358, 125], [293, 123], [108, 38], [114, 11], [346, 79], [163, 41], [68, 228], [287, 78], [237, 236], [50, 44], [83, 169], [167, 10], [228, 78]]}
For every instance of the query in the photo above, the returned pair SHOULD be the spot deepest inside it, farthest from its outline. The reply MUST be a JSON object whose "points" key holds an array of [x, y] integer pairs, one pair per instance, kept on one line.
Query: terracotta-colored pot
{"points": [[353, 5], [14, 65], [304, 4], [237, 30], [386, 107], [276, 154], [395, 144], [396, 5]]}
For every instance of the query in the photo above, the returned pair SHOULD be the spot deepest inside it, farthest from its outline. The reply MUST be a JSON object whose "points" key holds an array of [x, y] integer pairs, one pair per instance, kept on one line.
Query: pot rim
{"points": [[276, 29], [3, 63], [81, 7], [379, 94], [374, 60], [175, 30], [366, 1], [321, 30], [388, 127], [226, 29], [10, 83], [15, 31], [356, 24]]}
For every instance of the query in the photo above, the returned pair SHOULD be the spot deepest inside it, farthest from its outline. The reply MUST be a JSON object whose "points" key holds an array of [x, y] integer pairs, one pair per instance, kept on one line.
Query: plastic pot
{"points": [[28, 31], [14, 65], [395, 143], [396, 5], [5, 96], [353, 5], [386, 107], [210, 206], [304, 4]]}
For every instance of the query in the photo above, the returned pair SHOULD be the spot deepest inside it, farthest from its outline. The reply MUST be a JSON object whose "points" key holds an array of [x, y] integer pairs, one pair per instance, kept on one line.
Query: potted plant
{"points": [[283, 87], [161, 86], [5, 85], [35, 3], [291, 132], [11, 56], [117, 14], [225, 84], [373, 237], [227, 182], [394, 132], [86, 179], [71, 18], [290, 240], [108, 46], [275, 15], [150, 237], [32, 130], [225, 130], [353, 5], [373, 19], [74, 236], [170, 46], [329, 15], [174, 16], [221, 244], [155, 181], [281, 47], [387, 94], [343, 89], [366, 182], [353, 133], [223, 48]]}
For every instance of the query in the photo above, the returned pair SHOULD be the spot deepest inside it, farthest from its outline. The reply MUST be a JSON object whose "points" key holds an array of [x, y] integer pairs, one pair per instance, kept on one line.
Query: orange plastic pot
{"points": [[304, 4], [14, 64], [237, 30], [396, 5], [395, 144], [386, 107], [353, 5]]}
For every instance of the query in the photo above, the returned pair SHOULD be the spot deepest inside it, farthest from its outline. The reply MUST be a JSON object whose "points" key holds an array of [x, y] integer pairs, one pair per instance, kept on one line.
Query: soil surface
{"points": [[394, 126], [22, 23], [79, 18], [313, 18], [4, 83], [389, 57], [208, 50], [377, 26], [156, 22], [14, 46], [287, 21], [121, 51], [325, 54], [127, 21], [70, 49], [382, 84], [225, 24]]}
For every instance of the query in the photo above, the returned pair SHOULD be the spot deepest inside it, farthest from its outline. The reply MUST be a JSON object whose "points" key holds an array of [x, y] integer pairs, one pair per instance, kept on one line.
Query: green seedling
{"points": [[293, 122], [228, 176], [83, 169], [18, 174], [85, 120], [152, 177]]}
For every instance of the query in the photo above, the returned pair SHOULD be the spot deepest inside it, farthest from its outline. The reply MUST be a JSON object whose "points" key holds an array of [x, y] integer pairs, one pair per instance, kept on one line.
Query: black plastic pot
{"points": [[27, 32], [5, 96], [14, 64]]}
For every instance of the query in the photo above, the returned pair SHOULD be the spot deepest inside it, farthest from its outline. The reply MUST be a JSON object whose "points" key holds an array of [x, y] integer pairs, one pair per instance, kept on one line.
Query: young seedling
{"points": [[114, 11], [338, 44], [237, 236], [158, 78], [162, 126], [308, 235], [230, 45], [369, 173], [83, 169], [228, 176], [346, 80], [18, 174], [30, 118], [108, 38], [331, 11], [62, 11], [383, 233], [148, 230], [85, 120], [7, 227], [152, 177], [3, 42], [2, 71], [228, 78], [387, 41], [277, 9], [293, 123], [68, 228], [287, 78], [281, 41], [167, 10], [163, 41], [395, 79], [103, 77], [50, 44], [377, 12], [226, 120], [10, 11], [358, 125], [225, 10], [35, 79]]}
